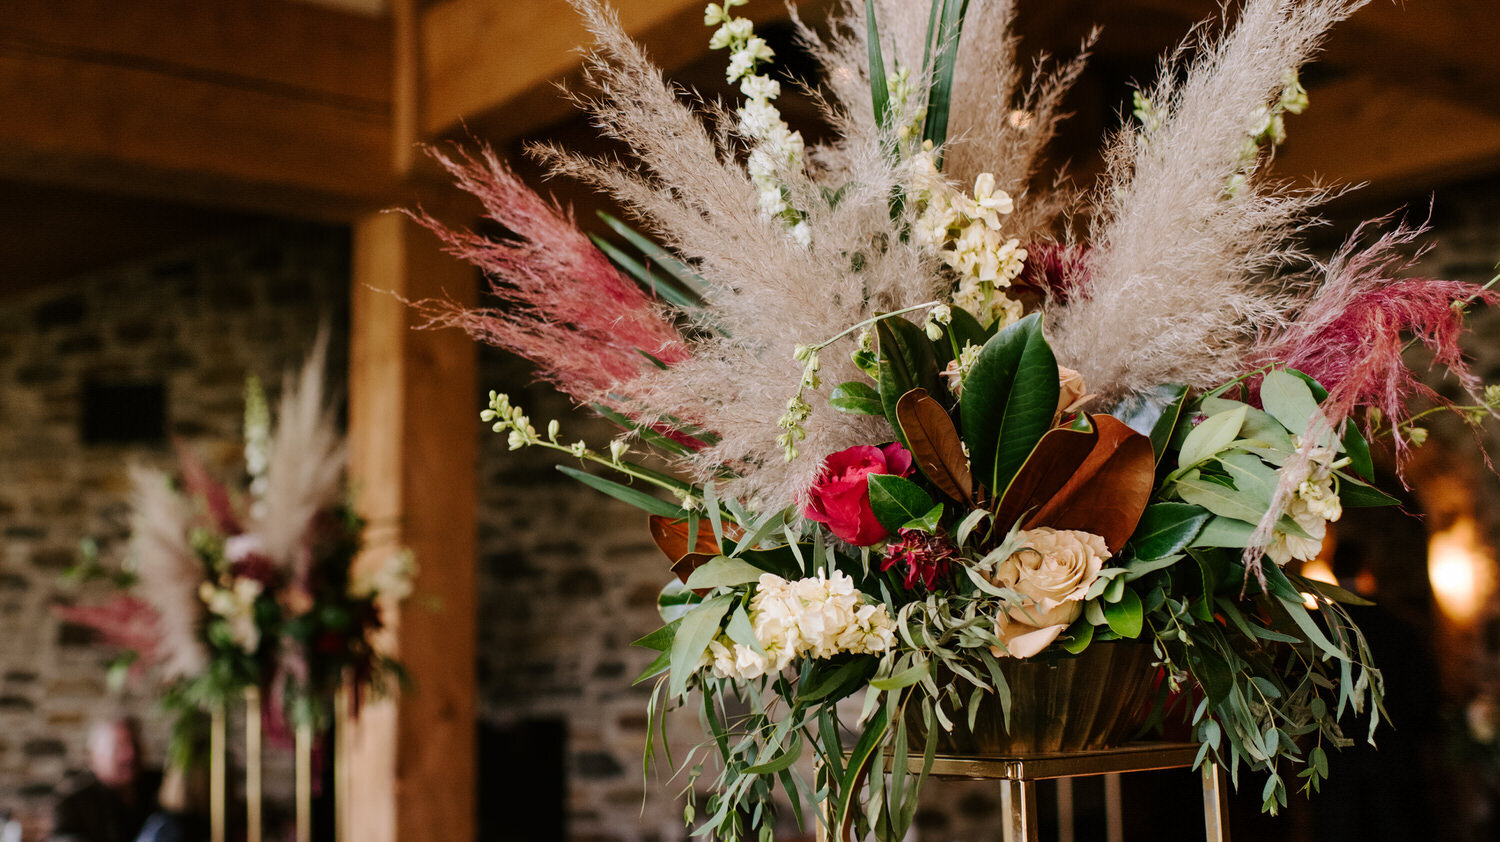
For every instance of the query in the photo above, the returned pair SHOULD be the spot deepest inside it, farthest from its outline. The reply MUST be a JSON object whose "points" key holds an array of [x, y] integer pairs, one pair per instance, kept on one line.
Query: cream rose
{"points": [[1072, 393], [1052, 571]]}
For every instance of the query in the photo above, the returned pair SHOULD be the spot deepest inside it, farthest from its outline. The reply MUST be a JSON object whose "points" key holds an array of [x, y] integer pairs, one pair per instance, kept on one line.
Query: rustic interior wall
{"points": [[194, 321]]}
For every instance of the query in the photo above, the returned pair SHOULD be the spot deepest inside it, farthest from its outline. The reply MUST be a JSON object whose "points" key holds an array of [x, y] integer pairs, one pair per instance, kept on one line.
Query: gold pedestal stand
{"points": [[1018, 777]]}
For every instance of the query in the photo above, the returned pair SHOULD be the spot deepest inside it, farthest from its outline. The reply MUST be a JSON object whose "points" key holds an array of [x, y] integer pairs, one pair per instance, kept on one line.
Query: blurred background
{"points": [[189, 188]]}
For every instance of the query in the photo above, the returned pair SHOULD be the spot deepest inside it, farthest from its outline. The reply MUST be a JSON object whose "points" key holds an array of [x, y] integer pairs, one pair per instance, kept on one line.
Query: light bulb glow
{"points": [[1461, 571]]}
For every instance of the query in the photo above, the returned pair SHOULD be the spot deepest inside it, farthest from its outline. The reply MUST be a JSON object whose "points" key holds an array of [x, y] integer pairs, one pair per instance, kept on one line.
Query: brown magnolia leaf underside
{"points": [[934, 443], [671, 537], [1107, 494], [1059, 454]]}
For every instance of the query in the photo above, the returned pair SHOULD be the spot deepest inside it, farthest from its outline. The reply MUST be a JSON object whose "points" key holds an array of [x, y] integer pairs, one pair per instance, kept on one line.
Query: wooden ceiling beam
{"points": [[263, 105], [495, 63], [1397, 138]]}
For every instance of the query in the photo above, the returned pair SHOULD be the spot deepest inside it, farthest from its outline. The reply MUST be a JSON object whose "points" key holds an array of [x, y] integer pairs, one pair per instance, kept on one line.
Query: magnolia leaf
{"points": [[897, 501], [1161, 431], [1125, 617], [723, 572], [1213, 435], [1056, 458], [698, 628], [1008, 402], [671, 537], [906, 363], [928, 522], [966, 330], [1166, 528], [1108, 492], [856, 398], [934, 444]]}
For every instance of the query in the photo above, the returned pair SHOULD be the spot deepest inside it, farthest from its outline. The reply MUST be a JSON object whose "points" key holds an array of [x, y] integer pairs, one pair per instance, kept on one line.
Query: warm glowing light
{"points": [[1461, 571], [1319, 569]]}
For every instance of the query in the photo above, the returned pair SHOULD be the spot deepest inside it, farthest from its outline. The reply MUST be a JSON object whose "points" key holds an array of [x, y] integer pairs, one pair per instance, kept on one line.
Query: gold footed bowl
{"points": [[1096, 700]]}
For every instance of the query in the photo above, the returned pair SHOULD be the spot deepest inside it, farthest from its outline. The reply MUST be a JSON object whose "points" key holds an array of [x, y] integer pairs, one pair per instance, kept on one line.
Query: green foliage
{"points": [[1008, 402]]}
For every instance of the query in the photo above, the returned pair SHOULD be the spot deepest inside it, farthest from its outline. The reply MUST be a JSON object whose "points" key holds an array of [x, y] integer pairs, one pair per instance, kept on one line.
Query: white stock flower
{"points": [[760, 87]]}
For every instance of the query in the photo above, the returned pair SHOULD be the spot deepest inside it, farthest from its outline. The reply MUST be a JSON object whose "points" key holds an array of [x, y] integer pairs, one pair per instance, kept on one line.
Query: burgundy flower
{"points": [[841, 496], [925, 557]]}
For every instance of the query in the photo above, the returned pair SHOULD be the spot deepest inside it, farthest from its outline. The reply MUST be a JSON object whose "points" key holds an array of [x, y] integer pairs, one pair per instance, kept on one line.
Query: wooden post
{"points": [[413, 432]]}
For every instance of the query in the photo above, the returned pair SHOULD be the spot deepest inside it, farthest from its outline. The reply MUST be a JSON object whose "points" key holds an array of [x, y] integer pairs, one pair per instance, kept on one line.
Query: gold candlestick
{"points": [[252, 765], [216, 747], [304, 782]]}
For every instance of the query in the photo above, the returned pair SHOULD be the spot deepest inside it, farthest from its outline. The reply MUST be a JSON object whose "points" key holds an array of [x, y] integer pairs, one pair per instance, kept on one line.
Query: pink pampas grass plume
{"points": [[1351, 336], [564, 306]]}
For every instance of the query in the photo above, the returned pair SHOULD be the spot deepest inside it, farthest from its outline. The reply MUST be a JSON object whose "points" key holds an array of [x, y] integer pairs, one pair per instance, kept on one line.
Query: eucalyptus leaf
{"points": [[1224, 532], [1290, 401], [740, 631], [698, 628], [1125, 617], [1213, 435]]}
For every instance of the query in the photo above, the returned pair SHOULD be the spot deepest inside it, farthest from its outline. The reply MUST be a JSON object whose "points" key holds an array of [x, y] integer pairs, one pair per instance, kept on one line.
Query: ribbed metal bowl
{"points": [[1099, 699]]}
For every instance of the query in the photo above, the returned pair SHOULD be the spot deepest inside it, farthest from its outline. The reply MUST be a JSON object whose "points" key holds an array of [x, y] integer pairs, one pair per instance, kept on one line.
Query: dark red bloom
{"points": [[1059, 273], [841, 496], [925, 557]]}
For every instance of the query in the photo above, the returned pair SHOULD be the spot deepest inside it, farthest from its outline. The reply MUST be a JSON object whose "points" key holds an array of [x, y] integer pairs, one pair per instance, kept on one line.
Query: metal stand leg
{"points": [[1018, 800], [1215, 803]]}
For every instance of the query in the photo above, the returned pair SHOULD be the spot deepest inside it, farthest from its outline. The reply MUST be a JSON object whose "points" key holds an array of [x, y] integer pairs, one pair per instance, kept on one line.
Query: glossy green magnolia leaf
{"points": [[856, 398], [1161, 431], [966, 330], [1008, 402], [906, 363], [897, 501], [928, 522], [1125, 617], [1213, 435], [1167, 528]]}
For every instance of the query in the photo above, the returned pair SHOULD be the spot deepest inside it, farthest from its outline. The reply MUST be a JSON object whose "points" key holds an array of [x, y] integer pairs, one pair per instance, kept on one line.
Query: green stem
{"points": [[872, 320]]}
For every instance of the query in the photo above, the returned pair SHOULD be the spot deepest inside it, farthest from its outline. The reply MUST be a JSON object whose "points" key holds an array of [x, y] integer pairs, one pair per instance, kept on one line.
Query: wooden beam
{"points": [[248, 104], [1394, 137], [482, 58], [413, 434]]}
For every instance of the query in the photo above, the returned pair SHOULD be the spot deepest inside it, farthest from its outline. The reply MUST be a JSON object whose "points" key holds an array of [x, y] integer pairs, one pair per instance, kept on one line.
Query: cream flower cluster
{"points": [[777, 150], [817, 617], [392, 579], [234, 600], [1313, 507], [966, 231]]}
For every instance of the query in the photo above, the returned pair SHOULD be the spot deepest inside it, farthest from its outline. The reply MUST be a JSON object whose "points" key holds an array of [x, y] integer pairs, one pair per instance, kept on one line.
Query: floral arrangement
{"points": [[915, 433], [229, 591]]}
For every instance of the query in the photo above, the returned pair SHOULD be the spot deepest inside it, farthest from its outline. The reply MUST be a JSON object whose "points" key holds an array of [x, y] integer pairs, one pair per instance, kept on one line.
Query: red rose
{"points": [[841, 496]]}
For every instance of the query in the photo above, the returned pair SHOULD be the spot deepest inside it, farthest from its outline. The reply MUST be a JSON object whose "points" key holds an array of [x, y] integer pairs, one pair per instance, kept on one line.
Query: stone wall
{"points": [[196, 322]]}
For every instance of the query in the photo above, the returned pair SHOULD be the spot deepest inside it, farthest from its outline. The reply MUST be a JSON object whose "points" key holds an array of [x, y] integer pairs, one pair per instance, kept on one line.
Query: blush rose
{"points": [[1052, 571], [841, 496]]}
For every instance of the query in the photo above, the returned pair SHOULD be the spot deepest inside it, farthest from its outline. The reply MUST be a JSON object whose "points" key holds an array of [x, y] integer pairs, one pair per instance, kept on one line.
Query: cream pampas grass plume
{"points": [[305, 472], [1184, 237], [169, 570]]}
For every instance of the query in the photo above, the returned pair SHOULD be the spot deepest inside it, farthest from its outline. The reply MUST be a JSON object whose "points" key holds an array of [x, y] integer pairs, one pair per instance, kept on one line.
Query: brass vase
{"points": [[1099, 699]]}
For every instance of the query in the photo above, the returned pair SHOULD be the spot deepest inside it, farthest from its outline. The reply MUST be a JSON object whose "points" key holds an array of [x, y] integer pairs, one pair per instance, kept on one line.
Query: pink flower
{"points": [[841, 496], [925, 557]]}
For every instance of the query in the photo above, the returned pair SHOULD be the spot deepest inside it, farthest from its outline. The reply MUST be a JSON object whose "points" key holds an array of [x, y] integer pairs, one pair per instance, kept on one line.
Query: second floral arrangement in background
{"points": [[937, 427], [230, 588]]}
